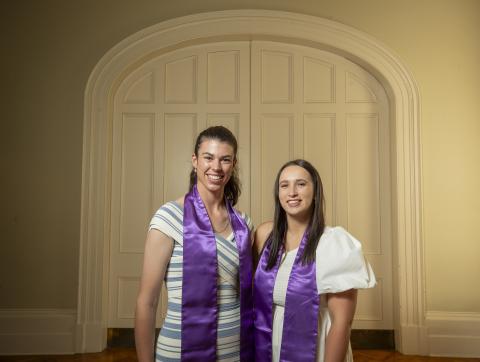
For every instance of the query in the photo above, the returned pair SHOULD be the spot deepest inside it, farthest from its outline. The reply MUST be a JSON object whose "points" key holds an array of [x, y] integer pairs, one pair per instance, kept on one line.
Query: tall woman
{"points": [[201, 246], [306, 279]]}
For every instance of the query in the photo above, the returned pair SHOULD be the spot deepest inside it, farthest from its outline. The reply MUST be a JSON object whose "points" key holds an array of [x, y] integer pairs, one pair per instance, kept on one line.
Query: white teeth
{"points": [[214, 177]]}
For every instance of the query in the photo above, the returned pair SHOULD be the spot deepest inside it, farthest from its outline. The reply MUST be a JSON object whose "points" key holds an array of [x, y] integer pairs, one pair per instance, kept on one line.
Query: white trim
{"points": [[454, 334], [255, 24], [37, 331]]}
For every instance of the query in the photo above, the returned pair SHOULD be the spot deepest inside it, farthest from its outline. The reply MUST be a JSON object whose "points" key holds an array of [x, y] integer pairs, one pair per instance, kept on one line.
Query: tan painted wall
{"points": [[49, 49]]}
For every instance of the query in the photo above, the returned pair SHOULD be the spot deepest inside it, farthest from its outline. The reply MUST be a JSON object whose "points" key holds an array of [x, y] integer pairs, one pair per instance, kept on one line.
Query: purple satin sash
{"points": [[199, 287], [300, 323]]}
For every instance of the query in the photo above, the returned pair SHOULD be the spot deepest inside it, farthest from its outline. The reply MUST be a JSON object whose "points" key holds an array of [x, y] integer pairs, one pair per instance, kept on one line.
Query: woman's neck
{"points": [[297, 225], [213, 201]]}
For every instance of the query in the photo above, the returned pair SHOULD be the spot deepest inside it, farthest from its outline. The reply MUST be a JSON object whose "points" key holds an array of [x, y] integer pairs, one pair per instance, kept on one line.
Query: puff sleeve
{"points": [[340, 264]]}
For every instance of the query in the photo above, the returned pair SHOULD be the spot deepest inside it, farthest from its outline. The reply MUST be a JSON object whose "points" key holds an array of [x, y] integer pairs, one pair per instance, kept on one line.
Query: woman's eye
{"points": [[226, 160]]}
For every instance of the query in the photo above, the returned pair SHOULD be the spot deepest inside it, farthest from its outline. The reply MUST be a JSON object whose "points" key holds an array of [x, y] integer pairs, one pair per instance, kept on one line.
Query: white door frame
{"points": [[408, 263]]}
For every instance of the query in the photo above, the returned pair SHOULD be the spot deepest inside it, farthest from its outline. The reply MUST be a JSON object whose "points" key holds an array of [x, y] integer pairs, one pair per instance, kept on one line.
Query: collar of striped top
{"points": [[300, 326], [199, 286]]}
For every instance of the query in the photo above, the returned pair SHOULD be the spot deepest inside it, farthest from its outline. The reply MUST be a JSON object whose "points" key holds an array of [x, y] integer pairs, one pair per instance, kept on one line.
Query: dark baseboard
{"points": [[372, 339], [122, 337], [360, 338]]}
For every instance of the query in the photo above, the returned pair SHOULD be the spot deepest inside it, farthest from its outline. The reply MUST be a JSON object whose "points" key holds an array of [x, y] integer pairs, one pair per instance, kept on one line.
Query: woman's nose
{"points": [[292, 190], [216, 164]]}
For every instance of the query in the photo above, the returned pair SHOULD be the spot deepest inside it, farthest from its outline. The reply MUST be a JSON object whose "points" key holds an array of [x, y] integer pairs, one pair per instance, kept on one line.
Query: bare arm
{"points": [[341, 307], [158, 250], [261, 235]]}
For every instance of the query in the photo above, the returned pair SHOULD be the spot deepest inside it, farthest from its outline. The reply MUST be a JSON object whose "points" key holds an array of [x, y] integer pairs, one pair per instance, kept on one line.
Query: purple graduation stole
{"points": [[300, 323], [199, 288]]}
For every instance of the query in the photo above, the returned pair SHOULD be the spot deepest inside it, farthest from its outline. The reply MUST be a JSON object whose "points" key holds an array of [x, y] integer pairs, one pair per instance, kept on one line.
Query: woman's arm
{"points": [[158, 250], [341, 307], [261, 234]]}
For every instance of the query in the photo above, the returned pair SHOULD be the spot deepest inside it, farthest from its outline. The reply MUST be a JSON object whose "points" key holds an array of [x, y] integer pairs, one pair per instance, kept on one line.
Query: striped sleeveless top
{"points": [[169, 220]]}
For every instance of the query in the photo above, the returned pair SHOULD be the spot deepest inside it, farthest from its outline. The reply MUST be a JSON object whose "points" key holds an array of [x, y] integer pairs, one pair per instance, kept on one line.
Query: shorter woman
{"points": [[306, 280]]}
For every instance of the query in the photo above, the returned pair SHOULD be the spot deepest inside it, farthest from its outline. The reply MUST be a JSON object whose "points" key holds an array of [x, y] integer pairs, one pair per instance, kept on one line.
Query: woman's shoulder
{"points": [[338, 237], [172, 205], [169, 211], [261, 233], [169, 220], [265, 228], [179, 201]]}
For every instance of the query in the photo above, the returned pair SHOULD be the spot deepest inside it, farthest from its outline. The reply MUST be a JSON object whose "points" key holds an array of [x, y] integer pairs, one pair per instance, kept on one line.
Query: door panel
{"points": [[268, 133], [319, 139]]}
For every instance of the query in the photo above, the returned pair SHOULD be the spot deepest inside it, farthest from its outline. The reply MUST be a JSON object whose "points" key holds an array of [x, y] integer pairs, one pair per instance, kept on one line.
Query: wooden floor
{"points": [[128, 354]]}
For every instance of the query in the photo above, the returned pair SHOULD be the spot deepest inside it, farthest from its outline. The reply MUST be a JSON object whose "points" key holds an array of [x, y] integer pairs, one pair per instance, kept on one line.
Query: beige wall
{"points": [[49, 49]]}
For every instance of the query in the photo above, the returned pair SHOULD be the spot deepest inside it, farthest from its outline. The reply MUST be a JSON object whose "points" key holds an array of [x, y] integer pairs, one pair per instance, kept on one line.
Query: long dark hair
{"points": [[233, 187], [315, 227]]}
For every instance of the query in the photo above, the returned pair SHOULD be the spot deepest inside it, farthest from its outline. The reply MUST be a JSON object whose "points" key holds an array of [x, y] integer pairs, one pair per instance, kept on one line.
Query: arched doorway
{"points": [[283, 28]]}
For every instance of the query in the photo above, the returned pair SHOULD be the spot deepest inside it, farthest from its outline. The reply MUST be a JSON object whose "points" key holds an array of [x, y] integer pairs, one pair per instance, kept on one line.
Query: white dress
{"points": [[340, 266]]}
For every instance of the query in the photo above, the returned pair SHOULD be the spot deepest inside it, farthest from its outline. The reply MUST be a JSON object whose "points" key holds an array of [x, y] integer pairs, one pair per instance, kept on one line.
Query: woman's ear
{"points": [[194, 161]]}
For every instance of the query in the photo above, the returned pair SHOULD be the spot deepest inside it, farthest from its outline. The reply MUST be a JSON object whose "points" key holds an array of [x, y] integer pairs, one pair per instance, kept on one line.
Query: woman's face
{"points": [[214, 164], [295, 191]]}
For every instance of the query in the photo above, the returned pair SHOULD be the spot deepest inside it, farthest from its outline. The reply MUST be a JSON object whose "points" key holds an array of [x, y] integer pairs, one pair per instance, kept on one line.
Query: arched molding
{"points": [[408, 264]]}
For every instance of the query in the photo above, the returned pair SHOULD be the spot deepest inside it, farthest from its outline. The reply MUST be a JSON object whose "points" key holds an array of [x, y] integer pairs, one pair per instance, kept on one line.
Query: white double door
{"points": [[282, 101]]}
